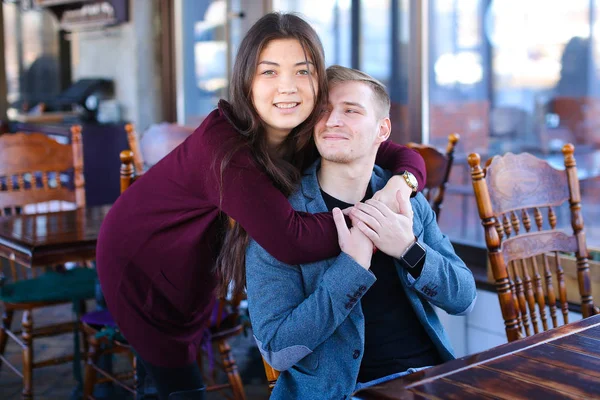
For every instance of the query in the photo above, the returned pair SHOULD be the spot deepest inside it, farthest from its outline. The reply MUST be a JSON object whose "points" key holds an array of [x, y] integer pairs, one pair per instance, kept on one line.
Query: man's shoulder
{"points": [[381, 176], [297, 199], [257, 257]]}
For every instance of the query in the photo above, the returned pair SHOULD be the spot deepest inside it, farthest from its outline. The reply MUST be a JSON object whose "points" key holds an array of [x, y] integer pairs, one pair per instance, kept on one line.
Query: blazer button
{"points": [[356, 354], [362, 288]]}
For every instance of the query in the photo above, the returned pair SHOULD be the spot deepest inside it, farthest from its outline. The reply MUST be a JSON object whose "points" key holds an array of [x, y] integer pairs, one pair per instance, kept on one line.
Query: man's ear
{"points": [[384, 129]]}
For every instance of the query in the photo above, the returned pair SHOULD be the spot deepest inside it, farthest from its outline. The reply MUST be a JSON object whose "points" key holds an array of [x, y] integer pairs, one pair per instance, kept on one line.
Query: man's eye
{"points": [[350, 111]]}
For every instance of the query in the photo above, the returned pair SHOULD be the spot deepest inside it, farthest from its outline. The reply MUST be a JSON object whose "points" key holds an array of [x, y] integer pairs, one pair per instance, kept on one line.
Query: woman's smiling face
{"points": [[282, 89]]}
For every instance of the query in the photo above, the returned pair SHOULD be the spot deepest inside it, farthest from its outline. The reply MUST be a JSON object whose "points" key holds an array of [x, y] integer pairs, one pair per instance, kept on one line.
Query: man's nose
{"points": [[333, 119]]}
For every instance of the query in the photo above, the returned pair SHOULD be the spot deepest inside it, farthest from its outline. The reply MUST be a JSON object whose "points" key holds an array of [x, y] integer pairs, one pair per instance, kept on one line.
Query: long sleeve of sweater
{"points": [[397, 158]]}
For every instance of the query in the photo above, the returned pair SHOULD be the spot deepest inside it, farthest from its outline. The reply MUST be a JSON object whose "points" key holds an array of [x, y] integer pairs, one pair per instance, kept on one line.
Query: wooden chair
{"points": [[156, 142], [39, 175], [224, 325], [272, 375], [134, 145], [509, 192], [103, 340], [438, 167]]}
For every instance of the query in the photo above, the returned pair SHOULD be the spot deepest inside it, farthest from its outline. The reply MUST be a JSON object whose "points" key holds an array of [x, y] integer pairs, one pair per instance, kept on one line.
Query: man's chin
{"points": [[338, 158]]}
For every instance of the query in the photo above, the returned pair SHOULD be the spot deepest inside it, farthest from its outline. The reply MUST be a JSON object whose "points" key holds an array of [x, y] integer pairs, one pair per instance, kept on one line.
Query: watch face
{"points": [[414, 254], [411, 179]]}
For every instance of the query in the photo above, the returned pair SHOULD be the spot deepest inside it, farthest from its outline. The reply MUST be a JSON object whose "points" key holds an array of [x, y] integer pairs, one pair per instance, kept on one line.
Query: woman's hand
{"points": [[390, 232], [352, 241], [387, 195]]}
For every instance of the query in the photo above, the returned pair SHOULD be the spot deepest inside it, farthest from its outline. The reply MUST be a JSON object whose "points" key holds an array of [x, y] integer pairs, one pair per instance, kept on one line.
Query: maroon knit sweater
{"points": [[159, 242]]}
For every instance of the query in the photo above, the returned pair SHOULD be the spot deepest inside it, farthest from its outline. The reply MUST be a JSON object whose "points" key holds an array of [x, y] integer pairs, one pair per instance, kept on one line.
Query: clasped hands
{"points": [[375, 223]]}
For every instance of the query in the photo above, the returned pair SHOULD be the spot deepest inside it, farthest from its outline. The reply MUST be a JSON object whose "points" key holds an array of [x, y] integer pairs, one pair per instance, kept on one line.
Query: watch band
{"points": [[410, 180]]}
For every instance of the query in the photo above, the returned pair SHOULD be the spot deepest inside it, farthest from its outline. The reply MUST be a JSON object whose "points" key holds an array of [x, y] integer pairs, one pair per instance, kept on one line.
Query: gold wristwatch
{"points": [[411, 181]]}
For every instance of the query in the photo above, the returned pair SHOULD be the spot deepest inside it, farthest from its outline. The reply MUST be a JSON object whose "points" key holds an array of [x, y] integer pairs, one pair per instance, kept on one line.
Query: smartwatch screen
{"points": [[414, 255]]}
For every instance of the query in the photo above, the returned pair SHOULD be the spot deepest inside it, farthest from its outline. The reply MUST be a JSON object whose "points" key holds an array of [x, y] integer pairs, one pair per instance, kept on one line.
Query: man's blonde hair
{"points": [[337, 74]]}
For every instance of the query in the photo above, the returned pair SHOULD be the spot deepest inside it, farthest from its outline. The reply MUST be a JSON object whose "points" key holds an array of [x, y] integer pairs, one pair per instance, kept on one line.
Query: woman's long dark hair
{"points": [[284, 169]]}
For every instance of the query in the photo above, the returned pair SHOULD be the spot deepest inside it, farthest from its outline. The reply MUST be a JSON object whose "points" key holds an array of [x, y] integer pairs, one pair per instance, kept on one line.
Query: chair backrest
{"points": [[39, 175], [155, 143], [36, 171], [514, 192], [438, 167]]}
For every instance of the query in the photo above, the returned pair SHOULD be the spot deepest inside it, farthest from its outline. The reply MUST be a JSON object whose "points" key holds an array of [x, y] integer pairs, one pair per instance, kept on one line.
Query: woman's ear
{"points": [[384, 129]]}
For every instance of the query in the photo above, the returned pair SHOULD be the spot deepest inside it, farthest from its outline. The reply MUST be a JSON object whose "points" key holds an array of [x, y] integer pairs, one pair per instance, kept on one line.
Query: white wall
{"points": [[126, 54]]}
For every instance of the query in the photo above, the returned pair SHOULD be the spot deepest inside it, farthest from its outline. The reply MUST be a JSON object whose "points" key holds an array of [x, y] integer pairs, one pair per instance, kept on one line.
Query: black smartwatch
{"points": [[413, 255]]}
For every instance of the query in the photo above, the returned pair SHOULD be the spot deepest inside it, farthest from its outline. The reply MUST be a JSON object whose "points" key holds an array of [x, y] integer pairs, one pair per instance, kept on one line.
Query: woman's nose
{"points": [[287, 85]]}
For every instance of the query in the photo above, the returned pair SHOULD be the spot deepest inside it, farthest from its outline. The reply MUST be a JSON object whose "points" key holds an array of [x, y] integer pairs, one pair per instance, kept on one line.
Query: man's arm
{"points": [[289, 324], [445, 280]]}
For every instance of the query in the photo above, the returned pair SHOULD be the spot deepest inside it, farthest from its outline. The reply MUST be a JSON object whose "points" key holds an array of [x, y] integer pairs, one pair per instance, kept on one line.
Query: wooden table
{"points": [[53, 238], [561, 363]]}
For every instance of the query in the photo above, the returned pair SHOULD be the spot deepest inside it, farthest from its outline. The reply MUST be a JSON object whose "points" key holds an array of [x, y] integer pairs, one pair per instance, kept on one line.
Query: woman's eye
{"points": [[268, 72], [303, 72]]}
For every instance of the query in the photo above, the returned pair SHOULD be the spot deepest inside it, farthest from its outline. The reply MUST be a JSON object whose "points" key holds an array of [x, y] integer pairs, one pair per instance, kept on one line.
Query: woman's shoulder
{"points": [[216, 122], [216, 139], [217, 129]]}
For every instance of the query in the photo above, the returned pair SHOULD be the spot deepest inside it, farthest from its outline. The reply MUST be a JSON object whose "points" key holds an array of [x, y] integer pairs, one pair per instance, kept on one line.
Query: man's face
{"points": [[351, 128]]}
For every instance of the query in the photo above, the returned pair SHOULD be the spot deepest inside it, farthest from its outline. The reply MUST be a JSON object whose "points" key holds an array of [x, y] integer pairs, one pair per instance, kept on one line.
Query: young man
{"points": [[365, 316]]}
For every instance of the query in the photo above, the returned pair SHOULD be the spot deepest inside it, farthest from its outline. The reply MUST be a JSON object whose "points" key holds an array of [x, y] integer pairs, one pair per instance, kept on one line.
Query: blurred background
{"points": [[507, 75]]}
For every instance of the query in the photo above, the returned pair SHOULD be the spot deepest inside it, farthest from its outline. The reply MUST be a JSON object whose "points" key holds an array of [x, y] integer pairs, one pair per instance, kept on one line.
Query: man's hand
{"points": [[390, 232], [387, 195], [352, 241]]}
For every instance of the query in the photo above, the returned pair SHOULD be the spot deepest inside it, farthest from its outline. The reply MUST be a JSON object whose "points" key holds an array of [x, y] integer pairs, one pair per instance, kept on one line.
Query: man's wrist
{"points": [[363, 261], [405, 190], [404, 248]]}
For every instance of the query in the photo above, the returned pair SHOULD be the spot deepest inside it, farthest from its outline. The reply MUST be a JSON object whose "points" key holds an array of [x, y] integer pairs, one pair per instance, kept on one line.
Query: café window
{"points": [[332, 22], [201, 53], [509, 77]]}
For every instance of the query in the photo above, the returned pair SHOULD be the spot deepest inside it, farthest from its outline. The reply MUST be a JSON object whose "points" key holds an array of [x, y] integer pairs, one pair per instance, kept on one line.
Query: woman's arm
{"points": [[398, 158], [245, 193], [250, 198]]}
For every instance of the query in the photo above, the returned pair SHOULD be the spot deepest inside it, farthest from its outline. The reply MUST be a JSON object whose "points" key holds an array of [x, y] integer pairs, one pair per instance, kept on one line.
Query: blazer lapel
{"points": [[312, 191]]}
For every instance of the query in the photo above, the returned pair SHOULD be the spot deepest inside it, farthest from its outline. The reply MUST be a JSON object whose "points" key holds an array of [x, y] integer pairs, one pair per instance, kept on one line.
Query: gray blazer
{"points": [[307, 319]]}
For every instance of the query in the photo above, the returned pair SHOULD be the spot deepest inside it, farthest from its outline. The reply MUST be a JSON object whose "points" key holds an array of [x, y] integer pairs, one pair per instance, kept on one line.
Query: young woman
{"points": [[158, 246]]}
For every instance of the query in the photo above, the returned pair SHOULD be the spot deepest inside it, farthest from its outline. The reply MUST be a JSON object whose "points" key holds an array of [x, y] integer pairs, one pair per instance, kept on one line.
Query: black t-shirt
{"points": [[395, 340]]}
